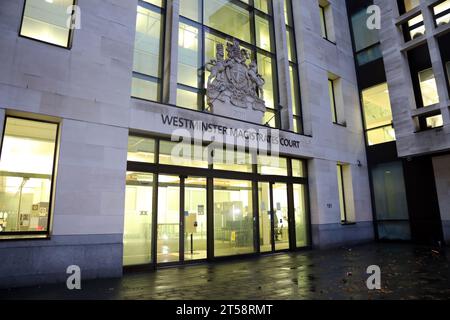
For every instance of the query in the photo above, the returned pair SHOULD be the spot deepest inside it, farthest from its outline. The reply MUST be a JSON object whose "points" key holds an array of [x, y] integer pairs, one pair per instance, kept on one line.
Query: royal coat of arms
{"points": [[232, 81]]}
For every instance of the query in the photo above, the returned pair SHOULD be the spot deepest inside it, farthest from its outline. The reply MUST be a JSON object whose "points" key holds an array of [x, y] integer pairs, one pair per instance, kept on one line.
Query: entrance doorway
{"points": [[182, 219], [178, 213], [273, 216]]}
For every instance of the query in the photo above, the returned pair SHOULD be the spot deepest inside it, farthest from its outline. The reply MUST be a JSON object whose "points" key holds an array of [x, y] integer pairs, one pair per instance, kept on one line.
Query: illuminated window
{"points": [[48, 21], [342, 192], [182, 154], [411, 4], [137, 239], [293, 68], [378, 115], [233, 217], [442, 13], [203, 25], [428, 88], [434, 121], [336, 107], [414, 28], [26, 177], [268, 165], [141, 149], [147, 64]]}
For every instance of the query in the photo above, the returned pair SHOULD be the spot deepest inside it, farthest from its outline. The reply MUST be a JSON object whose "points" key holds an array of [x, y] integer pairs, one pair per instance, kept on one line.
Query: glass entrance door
{"points": [[168, 231], [273, 216], [182, 219], [280, 216], [195, 226]]}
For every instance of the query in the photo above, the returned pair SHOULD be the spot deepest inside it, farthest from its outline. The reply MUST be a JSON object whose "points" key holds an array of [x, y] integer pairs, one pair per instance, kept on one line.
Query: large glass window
{"points": [[378, 115], [428, 87], [390, 201], [293, 68], [137, 238], [48, 21], [26, 175], [162, 203], [366, 41], [233, 217], [301, 220], [147, 64], [203, 25]]}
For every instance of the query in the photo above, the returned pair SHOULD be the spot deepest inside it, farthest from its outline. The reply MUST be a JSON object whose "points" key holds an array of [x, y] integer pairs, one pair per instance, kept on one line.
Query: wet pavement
{"points": [[407, 272]]}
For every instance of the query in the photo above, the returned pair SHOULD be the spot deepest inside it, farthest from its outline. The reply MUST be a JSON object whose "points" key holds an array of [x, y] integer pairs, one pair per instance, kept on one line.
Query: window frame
{"points": [[407, 29], [211, 173], [323, 21], [145, 77], [35, 235], [367, 130], [290, 28], [69, 39], [341, 189], [334, 111], [205, 29], [441, 14]]}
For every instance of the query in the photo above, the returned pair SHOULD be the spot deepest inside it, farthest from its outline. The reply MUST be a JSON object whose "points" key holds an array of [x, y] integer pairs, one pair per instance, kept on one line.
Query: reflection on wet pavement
{"points": [[407, 272]]}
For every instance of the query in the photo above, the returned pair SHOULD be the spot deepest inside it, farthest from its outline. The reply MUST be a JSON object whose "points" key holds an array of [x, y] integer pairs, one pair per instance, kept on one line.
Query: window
{"points": [[366, 41], [268, 165], [434, 121], [428, 88], [182, 154], [442, 13], [203, 25], [293, 68], [407, 5], [301, 230], [414, 28], [390, 201], [137, 240], [377, 115], [146, 83], [26, 177], [171, 216], [447, 66], [141, 149], [47, 21], [233, 217], [341, 188], [323, 22], [326, 24], [332, 92]]}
